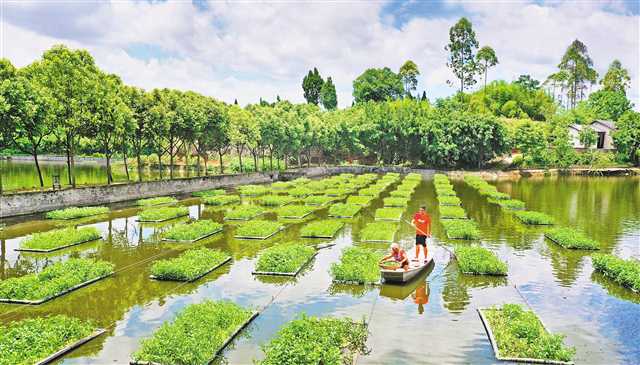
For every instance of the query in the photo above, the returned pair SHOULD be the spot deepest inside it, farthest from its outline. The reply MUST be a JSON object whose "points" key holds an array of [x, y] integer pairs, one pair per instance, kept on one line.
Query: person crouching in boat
{"points": [[398, 255]]}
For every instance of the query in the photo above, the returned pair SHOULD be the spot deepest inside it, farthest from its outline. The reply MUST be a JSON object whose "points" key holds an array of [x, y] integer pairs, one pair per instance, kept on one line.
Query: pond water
{"points": [[432, 320]]}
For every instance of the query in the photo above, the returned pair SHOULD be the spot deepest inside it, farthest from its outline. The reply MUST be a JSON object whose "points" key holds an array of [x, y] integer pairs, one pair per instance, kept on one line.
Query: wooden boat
{"points": [[401, 276]]}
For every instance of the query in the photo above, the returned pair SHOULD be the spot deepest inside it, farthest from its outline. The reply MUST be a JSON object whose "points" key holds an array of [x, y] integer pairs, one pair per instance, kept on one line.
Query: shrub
{"points": [[379, 231], [162, 214], [192, 231], [570, 238], [359, 200], [318, 200], [75, 212], [322, 228], [344, 210], [275, 200], [520, 334], [54, 279], [59, 238], [448, 200], [401, 193], [221, 199], [287, 258], [465, 229], [195, 335], [394, 214], [293, 211], [478, 260], [30, 340], [312, 341], [623, 272], [452, 212], [513, 204], [258, 229], [252, 190], [358, 265], [190, 265], [204, 193], [534, 218], [395, 202], [156, 201], [244, 212]]}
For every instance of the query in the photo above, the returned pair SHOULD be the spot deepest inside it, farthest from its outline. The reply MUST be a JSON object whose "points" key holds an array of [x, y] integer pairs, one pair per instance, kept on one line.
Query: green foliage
{"points": [[337, 192], [312, 86], [30, 340], [344, 210], [512, 100], [409, 75], [286, 258], [328, 96], [321, 228], [156, 201], [281, 185], [513, 204], [379, 231], [377, 84], [60, 238], [478, 260], [389, 213], [318, 200], [258, 229], [358, 265], [371, 191], [75, 212], [616, 79], [195, 335], [448, 200], [190, 265], [54, 279], [485, 59], [207, 193], [293, 211], [570, 238], [527, 82], [534, 218], [452, 212], [627, 136], [163, 213], [312, 341], [401, 193], [192, 231], [519, 333], [221, 199], [300, 192], [624, 272], [609, 105], [395, 202], [253, 190], [464, 229], [275, 200], [462, 48], [413, 176], [359, 200], [244, 212], [577, 66]]}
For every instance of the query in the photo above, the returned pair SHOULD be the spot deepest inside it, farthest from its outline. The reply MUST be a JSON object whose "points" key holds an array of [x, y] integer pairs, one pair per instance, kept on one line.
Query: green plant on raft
{"points": [[163, 213], [258, 229], [370, 192], [358, 265], [359, 200], [60, 238], [520, 334], [30, 340], [195, 335], [312, 341], [192, 231], [212, 192], [281, 185], [189, 265], [75, 212], [276, 200], [495, 195], [321, 228], [395, 202], [300, 192], [337, 191], [394, 214], [53, 279], [445, 192], [318, 200], [401, 193], [316, 186], [570, 238], [379, 231], [448, 200], [156, 201], [344, 210], [464, 229], [534, 218], [478, 260], [252, 190], [221, 199], [300, 181], [623, 272], [413, 177], [285, 258], [512, 204], [293, 211], [244, 212], [452, 212]]}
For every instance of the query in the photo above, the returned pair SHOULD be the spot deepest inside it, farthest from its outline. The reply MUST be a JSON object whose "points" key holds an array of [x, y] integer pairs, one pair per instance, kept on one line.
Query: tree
{"points": [[377, 84], [243, 131], [424, 96], [312, 86], [529, 138], [528, 83], [462, 47], [139, 103], [627, 136], [409, 75], [7, 70], [608, 105], [328, 95], [616, 79], [578, 65], [486, 58]]}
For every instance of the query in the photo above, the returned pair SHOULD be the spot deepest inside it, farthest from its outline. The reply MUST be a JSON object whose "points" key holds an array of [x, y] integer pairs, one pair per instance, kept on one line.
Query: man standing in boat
{"points": [[422, 222]]}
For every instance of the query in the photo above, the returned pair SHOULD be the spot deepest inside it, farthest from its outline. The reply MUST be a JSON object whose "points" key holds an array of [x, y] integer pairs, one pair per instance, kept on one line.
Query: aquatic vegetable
{"points": [[300, 181], [465, 229], [401, 193], [445, 191], [212, 192], [31, 340], [440, 178], [448, 200], [495, 195], [379, 231], [312, 341], [54, 279], [75, 212], [156, 201], [190, 265], [344, 210], [192, 231], [318, 200], [372, 191], [275, 200], [479, 260], [519, 333], [244, 212], [389, 213], [623, 272], [452, 212], [285, 258], [252, 190], [293, 211], [300, 192], [395, 202], [340, 191], [321, 228], [358, 265], [534, 218], [413, 176], [570, 238], [163, 213], [359, 200], [60, 237], [281, 185], [221, 199], [258, 229], [195, 335], [508, 203]]}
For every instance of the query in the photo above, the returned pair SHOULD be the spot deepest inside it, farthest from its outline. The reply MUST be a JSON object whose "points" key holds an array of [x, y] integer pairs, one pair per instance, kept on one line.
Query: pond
{"points": [[432, 320]]}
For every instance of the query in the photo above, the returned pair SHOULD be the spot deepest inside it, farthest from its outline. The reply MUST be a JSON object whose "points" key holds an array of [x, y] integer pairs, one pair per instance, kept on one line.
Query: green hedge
{"points": [[478, 260], [75, 212], [190, 265], [358, 265], [59, 238], [623, 272], [286, 258], [570, 238]]}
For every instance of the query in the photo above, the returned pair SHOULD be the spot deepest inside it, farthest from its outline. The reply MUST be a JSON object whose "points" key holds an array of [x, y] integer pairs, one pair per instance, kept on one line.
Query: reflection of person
{"points": [[422, 222], [421, 296], [398, 255]]}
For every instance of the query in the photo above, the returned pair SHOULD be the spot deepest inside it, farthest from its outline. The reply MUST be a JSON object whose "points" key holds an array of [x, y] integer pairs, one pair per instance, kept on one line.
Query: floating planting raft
{"points": [[75, 212], [252, 190], [359, 200], [244, 213], [534, 218], [395, 202], [258, 230], [55, 280], [221, 199], [389, 214], [212, 192], [294, 211], [477, 260], [450, 212], [284, 260], [192, 232], [190, 265], [449, 201], [463, 229], [156, 201], [321, 229], [162, 214], [357, 266], [571, 239], [341, 210], [59, 239], [276, 200], [318, 200], [379, 232], [623, 272]]}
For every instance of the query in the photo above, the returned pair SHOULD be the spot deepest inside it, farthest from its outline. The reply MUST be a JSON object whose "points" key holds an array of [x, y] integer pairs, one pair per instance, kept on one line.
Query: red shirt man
{"points": [[422, 222]]}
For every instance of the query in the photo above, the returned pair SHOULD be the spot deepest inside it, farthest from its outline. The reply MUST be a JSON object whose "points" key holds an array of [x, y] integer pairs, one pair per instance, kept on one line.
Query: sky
{"points": [[245, 50]]}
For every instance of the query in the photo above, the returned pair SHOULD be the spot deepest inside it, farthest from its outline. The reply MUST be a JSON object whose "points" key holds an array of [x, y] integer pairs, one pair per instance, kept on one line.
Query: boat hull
{"points": [[401, 276]]}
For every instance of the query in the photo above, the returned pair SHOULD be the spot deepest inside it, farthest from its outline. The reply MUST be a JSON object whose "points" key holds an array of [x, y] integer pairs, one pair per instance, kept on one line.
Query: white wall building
{"points": [[604, 130]]}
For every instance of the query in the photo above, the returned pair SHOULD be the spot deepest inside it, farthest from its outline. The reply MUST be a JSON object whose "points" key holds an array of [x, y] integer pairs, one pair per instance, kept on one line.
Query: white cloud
{"points": [[247, 50]]}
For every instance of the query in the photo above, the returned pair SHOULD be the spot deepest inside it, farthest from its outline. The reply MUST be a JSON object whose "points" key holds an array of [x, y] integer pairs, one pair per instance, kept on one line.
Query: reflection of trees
{"points": [[567, 264], [455, 294], [614, 288]]}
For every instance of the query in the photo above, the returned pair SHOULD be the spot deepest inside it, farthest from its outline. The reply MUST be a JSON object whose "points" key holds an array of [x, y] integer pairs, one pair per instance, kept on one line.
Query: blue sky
{"points": [[250, 50]]}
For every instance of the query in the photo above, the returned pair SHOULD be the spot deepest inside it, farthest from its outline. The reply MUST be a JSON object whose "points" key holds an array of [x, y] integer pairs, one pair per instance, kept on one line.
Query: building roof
{"points": [[606, 123], [577, 127]]}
